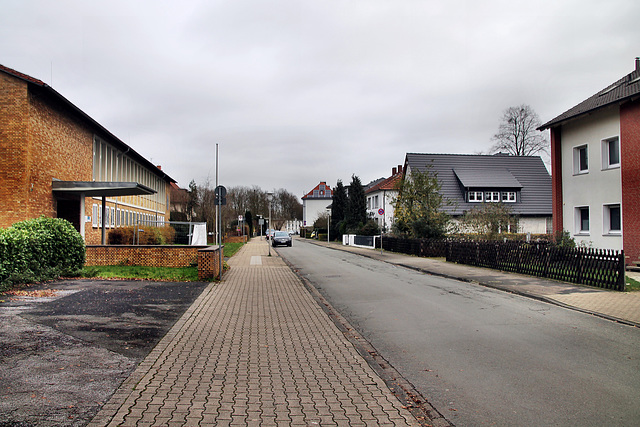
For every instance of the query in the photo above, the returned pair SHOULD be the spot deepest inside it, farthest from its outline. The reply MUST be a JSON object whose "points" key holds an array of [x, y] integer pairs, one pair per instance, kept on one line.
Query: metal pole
{"points": [[218, 225], [269, 197], [328, 225]]}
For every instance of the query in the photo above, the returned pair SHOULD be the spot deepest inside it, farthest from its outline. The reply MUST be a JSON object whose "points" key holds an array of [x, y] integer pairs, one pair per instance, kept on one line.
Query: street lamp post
{"points": [[269, 198], [328, 224]]}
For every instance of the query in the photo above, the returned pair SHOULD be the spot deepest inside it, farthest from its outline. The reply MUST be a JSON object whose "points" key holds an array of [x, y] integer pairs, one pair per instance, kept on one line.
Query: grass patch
{"points": [[632, 284], [181, 274], [230, 249]]}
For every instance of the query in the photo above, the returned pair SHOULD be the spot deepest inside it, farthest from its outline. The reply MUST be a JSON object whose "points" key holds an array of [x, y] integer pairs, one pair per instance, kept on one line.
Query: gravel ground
{"points": [[63, 356]]}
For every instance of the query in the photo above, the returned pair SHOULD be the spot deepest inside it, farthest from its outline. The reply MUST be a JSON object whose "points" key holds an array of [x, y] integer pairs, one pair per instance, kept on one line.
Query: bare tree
{"points": [[517, 134]]}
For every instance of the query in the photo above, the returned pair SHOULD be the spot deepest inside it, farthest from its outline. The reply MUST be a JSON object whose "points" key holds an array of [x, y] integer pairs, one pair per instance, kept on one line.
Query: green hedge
{"points": [[39, 249]]}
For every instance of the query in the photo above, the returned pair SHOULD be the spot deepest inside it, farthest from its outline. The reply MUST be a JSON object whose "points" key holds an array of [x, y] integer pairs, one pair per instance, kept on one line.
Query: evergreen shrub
{"points": [[39, 249]]}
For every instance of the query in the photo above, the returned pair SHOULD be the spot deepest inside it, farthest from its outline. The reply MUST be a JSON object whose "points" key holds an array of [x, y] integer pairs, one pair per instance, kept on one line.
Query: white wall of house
{"points": [[312, 208], [533, 225], [599, 187], [382, 199]]}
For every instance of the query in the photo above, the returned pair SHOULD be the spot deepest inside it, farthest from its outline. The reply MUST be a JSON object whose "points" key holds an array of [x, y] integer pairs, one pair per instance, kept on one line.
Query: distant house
{"points": [[179, 203], [315, 203], [467, 181], [380, 198], [57, 161], [595, 159]]}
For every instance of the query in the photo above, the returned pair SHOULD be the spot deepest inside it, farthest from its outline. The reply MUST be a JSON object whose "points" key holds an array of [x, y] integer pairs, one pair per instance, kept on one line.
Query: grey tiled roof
{"points": [[459, 172], [618, 92], [478, 177]]}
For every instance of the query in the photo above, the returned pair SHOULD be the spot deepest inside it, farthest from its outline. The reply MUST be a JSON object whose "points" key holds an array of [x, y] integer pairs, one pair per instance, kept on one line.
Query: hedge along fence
{"points": [[39, 249], [418, 247], [593, 267]]}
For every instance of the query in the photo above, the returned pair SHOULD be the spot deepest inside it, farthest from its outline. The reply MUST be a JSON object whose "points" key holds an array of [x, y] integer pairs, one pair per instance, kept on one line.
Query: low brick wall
{"points": [[235, 239], [209, 262], [147, 255]]}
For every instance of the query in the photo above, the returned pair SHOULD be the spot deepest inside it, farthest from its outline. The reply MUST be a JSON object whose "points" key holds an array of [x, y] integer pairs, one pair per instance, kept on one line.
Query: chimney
{"points": [[637, 63], [393, 171], [159, 167], [399, 168]]}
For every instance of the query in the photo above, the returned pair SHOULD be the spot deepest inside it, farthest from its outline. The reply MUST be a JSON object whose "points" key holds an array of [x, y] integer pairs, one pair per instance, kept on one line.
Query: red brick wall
{"points": [[208, 263], [235, 239], [147, 255], [60, 148], [14, 116], [630, 172], [556, 179]]}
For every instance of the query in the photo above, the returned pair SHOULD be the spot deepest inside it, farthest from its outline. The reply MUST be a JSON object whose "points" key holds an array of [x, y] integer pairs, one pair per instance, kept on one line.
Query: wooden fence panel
{"points": [[593, 267]]}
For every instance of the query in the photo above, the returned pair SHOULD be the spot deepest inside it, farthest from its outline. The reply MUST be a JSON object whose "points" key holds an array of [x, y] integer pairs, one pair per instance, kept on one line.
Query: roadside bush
{"points": [[39, 249], [371, 228]]}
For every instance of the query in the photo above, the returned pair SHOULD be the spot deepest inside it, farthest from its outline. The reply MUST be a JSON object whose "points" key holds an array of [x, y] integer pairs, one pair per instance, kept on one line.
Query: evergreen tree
{"points": [[338, 208], [248, 218], [356, 214], [193, 201]]}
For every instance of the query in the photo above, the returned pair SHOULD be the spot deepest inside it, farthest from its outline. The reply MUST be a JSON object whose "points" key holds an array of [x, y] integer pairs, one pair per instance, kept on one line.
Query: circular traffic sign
{"points": [[380, 211]]}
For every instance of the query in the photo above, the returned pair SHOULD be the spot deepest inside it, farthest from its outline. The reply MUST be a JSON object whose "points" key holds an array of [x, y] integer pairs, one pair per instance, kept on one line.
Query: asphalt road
{"points": [[62, 357], [478, 355]]}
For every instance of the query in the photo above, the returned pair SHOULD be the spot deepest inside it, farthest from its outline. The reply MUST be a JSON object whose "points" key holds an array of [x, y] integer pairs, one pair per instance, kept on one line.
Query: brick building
{"points": [[57, 161], [595, 159]]}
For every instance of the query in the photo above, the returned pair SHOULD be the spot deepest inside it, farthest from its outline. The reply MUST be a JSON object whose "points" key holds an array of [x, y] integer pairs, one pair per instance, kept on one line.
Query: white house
{"points": [[316, 203], [381, 197], [596, 167], [468, 180]]}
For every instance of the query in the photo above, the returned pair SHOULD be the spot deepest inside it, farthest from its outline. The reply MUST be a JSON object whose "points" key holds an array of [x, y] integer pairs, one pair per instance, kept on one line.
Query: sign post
{"points": [[381, 213], [220, 200]]}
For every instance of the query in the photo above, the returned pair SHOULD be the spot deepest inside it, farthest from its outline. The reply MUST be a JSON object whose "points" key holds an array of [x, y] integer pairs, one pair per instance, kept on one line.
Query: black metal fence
{"points": [[593, 267]]}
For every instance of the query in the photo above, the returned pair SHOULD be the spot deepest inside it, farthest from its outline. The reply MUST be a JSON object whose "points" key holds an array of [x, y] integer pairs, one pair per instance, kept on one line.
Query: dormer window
{"points": [[476, 196], [509, 196], [492, 196]]}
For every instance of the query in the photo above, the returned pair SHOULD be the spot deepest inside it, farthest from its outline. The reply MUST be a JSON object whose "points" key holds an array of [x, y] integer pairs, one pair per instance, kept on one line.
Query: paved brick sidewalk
{"points": [[254, 350]]}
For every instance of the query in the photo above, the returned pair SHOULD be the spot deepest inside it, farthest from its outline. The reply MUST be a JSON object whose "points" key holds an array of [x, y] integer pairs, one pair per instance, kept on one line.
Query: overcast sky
{"points": [[296, 92]]}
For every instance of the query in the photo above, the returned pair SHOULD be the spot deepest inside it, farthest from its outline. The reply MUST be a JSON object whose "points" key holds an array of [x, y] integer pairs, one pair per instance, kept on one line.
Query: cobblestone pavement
{"points": [[256, 349]]}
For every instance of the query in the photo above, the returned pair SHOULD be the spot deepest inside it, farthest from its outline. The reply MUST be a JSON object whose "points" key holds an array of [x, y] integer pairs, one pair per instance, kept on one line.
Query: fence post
{"points": [[621, 272]]}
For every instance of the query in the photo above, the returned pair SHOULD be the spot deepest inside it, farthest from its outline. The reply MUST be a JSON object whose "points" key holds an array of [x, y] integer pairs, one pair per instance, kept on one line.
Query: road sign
{"points": [[380, 211], [220, 196]]}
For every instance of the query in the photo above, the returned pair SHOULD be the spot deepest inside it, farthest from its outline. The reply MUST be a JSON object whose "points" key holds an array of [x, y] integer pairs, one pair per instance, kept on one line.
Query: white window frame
{"points": [[576, 159], [606, 157], [509, 196], [475, 196], [95, 215], [606, 220], [578, 221], [492, 196]]}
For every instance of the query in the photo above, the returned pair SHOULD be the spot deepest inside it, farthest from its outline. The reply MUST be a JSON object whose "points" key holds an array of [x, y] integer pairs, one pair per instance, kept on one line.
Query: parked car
{"points": [[281, 238]]}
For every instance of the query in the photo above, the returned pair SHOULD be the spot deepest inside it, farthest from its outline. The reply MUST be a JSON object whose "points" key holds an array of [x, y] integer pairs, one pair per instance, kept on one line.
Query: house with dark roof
{"points": [[56, 161], [316, 203], [595, 159], [466, 181], [381, 196]]}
